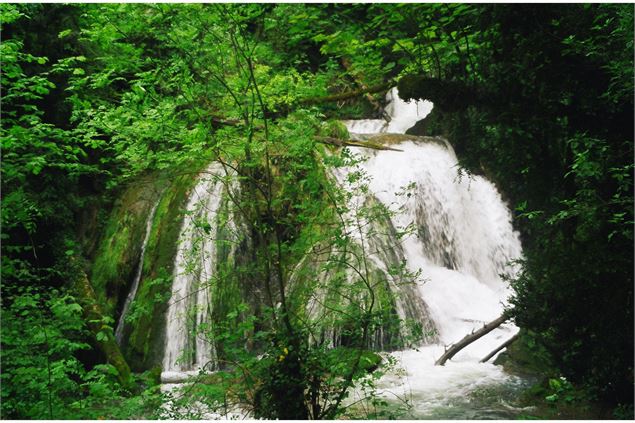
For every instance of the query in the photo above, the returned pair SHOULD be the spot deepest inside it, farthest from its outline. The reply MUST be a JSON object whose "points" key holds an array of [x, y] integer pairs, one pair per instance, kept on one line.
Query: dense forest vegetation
{"points": [[95, 98]]}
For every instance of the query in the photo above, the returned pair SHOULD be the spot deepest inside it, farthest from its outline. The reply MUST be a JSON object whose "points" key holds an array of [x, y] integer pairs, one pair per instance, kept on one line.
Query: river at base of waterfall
{"points": [[412, 388]]}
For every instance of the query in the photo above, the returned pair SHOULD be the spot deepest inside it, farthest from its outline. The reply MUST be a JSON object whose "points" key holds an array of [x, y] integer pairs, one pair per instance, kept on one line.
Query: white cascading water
{"points": [[402, 115], [464, 241], [187, 349], [137, 278]]}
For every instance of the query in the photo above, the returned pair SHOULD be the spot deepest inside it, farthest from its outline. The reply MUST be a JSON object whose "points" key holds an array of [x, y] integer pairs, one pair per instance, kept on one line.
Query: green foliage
{"points": [[40, 334], [560, 390], [623, 412], [96, 96], [335, 129], [260, 383], [40, 160], [42, 378]]}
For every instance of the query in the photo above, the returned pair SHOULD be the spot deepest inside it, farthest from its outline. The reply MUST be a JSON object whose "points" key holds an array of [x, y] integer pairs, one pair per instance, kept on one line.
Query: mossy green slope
{"points": [[118, 256], [120, 245], [145, 336]]}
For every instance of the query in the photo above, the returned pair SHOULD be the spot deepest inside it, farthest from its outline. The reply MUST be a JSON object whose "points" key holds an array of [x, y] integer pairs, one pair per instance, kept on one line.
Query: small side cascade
{"points": [[135, 283], [188, 346], [401, 116]]}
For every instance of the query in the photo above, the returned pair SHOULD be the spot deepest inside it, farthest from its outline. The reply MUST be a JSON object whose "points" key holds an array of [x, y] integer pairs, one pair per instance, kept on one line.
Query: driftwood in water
{"points": [[500, 347], [470, 338], [347, 95], [103, 337], [353, 143]]}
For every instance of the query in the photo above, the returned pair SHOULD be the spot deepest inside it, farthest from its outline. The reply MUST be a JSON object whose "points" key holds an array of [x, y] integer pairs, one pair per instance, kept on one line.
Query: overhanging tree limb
{"points": [[467, 340], [364, 91], [347, 95]]}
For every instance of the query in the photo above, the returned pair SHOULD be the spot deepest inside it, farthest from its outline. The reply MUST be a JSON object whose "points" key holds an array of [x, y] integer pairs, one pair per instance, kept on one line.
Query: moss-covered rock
{"points": [[119, 248], [334, 129]]}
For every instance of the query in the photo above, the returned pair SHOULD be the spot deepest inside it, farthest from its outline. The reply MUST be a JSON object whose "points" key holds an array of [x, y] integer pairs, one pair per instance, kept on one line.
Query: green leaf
{"points": [[65, 33]]}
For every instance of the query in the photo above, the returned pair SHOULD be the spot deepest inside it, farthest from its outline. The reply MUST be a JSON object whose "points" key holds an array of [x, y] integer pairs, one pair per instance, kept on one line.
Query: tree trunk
{"points": [[347, 95], [500, 347], [94, 318], [352, 143], [470, 338]]}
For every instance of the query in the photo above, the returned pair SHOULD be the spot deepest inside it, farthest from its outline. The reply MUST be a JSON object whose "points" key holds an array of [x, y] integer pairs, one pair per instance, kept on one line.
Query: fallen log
{"points": [[500, 347], [467, 340], [94, 316], [347, 95], [353, 143]]}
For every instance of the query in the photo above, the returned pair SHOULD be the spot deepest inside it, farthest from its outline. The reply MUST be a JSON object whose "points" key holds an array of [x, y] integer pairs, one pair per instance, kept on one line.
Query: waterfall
{"points": [[188, 347], [463, 247], [135, 283], [401, 116], [464, 242]]}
